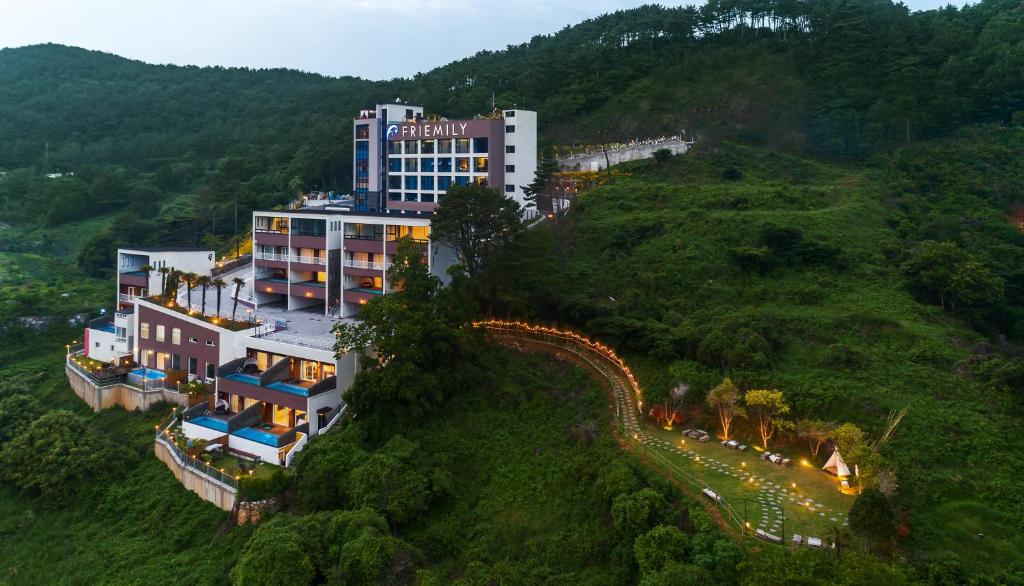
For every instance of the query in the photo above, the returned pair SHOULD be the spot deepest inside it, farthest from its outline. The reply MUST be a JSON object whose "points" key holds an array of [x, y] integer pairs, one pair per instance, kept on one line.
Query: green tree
{"points": [[275, 554], [872, 517], [163, 279], [53, 456], [191, 280], [768, 407], [540, 192], [17, 412], [204, 282], [390, 482], [725, 399], [659, 546], [477, 222], [636, 513], [238, 282], [816, 432]]}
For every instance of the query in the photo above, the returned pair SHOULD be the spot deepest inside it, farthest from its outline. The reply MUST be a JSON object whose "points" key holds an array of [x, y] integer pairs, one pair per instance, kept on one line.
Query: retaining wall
{"points": [[214, 492], [127, 396]]}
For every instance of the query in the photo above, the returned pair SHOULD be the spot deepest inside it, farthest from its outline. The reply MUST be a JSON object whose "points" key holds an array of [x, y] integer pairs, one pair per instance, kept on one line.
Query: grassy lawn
{"points": [[808, 498], [230, 465]]}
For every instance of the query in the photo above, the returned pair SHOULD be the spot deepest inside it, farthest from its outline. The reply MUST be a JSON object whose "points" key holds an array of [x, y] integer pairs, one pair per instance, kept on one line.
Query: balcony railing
{"points": [[126, 298], [364, 264], [271, 256], [310, 260]]}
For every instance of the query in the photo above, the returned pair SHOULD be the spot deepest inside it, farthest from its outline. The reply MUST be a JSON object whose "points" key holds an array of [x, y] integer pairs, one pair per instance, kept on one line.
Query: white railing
{"points": [[271, 256], [126, 298], [295, 449], [364, 264], [309, 260]]}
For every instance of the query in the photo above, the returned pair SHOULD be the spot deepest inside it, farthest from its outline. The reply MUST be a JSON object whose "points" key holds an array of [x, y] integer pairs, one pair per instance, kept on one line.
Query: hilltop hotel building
{"points": [[276, 383]]}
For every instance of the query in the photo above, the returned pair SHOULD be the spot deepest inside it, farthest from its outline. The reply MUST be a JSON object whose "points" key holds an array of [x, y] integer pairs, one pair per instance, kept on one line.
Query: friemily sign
{"points": [[428, 130]]}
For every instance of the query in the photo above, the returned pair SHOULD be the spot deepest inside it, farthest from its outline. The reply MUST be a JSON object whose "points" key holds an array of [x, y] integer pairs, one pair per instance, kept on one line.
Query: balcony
{"points": [[126, 298], [271, 260], [133, 278], [309, 289], [356, 243], [309, 240], [359, 295], [274, 285], [273, 238], [308, 263], [364, 264]]}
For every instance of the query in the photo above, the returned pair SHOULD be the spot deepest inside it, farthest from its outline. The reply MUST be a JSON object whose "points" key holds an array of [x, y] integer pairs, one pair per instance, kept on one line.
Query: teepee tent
{"points": [[836, 465]]}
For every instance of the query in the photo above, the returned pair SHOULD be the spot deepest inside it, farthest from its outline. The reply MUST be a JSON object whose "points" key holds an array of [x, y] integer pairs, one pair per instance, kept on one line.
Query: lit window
{"points": [[362, 131], [144, 330], [462, 145], [411, 147], [480, 164], [175, 336], [160, 333], [462, 165], [481, 181], [444, 145]]}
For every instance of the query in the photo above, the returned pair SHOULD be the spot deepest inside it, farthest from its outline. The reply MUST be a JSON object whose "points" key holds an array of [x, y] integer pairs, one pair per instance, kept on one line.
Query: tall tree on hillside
{"points": [[190, 284], [163, 279], [238, 282], [768, 407], [477, 222], [816, 432], [539, 193], [204, 282], [219, 284], [725, 398]]}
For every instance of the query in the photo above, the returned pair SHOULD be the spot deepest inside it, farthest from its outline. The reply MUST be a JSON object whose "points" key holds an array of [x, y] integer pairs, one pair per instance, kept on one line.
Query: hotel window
{"points": [[209, 343], [510, 148], [444, 146], [427, 165], [426, 147], [480, 164], [410, 165], [193, 339], [427, 183], [410, 182], [462, 165], [394, 182], [510, 189], [144, 330], [211, 370], [411, 147], [160, 332], [175, 362], [175, 335], [193, 365], [394, 165], [410, 197], [443, 183], [462, 180], [408, 114], [362, 131], [480, 145], [481, 181], [395, 147], [510, 168], [427, 197], [394, 196], [510, 128], [462, 146], [309, 370], [444, 165], [510, 114]]}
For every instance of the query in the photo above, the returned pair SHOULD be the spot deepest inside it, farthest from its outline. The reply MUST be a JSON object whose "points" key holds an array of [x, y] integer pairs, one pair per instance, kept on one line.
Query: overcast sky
{"points": [[375, 39]]}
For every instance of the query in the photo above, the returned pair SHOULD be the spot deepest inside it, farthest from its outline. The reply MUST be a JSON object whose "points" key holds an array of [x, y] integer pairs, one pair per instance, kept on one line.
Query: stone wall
{"points": [[596, 161], [127, 396], [209, 490]]}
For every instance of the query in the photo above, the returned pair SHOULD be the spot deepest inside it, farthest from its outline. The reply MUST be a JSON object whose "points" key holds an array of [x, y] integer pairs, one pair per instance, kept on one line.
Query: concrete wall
{"points": [[128, 397], [220, 495], [596, 161]]}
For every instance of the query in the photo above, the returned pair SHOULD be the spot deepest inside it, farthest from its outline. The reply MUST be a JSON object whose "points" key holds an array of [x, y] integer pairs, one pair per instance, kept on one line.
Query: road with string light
{"points": [[751, 494]]}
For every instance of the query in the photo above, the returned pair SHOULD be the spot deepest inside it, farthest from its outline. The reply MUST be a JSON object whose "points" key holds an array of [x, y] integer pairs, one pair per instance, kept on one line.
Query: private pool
{"points": [[287, 388], [211, 423], [244, 378], [260, 437], [150, 373]]}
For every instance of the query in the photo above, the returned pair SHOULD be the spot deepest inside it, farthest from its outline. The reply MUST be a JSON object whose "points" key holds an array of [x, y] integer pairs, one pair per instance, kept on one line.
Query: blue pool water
{"points": [[150, 373], [109, 329], [287, 388], [244, 378], [260, 437], [211, 423]]}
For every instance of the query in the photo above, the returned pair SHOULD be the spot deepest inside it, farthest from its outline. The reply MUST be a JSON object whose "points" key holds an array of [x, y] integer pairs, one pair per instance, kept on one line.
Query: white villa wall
{"points": [[101, 345], [265, 452], [193, 431]]}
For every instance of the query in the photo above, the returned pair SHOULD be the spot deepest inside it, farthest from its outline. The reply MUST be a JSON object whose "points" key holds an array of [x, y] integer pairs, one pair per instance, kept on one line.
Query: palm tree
{"points": [[171, 290], [219, 284], [204, 282], [163, 279], [190, 283], [146, 268], [238, 281]]}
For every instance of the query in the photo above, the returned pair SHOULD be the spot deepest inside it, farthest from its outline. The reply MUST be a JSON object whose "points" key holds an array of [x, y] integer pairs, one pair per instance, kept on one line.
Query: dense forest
{"points": [[849, 229]]}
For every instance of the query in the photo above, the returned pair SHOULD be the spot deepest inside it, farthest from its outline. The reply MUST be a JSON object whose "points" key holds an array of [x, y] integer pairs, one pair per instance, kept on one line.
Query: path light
{"points": [[744, 464], [794, 485]]}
